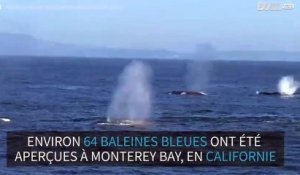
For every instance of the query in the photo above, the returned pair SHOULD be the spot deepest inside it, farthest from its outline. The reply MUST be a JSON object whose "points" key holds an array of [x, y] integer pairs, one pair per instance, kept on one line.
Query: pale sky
{"points": [[176, 25]]}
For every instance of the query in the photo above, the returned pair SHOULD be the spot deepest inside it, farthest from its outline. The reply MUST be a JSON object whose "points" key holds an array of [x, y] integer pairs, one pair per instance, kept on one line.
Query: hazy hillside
{"points": [[24, 45], [259, 55]]}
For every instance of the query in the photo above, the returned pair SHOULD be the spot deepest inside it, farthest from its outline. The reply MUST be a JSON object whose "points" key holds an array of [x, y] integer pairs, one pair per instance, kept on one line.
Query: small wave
{"points": [[203, 111], [6, 103], [63, 87], [85, 119], [5, 120], [53, 120]]}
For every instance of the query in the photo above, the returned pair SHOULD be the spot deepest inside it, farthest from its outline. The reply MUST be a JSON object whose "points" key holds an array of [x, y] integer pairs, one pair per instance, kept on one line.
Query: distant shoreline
{"points": [[17, 57]]}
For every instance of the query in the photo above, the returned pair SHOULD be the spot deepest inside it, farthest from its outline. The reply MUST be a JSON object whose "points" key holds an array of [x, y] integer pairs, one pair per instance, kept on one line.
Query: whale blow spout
{"points": [[132, 100], [287, 85]]}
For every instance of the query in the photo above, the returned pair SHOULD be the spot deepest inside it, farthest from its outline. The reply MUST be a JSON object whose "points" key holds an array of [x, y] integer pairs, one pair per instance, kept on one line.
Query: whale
{"points": [[268, 93], [191, 93]]}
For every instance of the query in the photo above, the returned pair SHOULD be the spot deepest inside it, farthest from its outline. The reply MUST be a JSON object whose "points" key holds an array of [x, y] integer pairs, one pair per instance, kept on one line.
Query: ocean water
{"points": [[68, 94]]}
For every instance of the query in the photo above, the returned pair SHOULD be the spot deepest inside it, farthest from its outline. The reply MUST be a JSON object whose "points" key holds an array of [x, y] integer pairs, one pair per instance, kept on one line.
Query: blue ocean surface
{"points": [[73, 94]]}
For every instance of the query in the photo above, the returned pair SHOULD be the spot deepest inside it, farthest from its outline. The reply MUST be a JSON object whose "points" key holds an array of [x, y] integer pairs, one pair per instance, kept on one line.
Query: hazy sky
{"points": [[155, 24]]}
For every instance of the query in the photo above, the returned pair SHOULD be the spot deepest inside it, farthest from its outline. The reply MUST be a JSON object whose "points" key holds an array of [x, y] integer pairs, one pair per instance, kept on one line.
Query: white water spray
{"points": [[5, 119], [198, 68], [133, 97], [287, 85]]}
